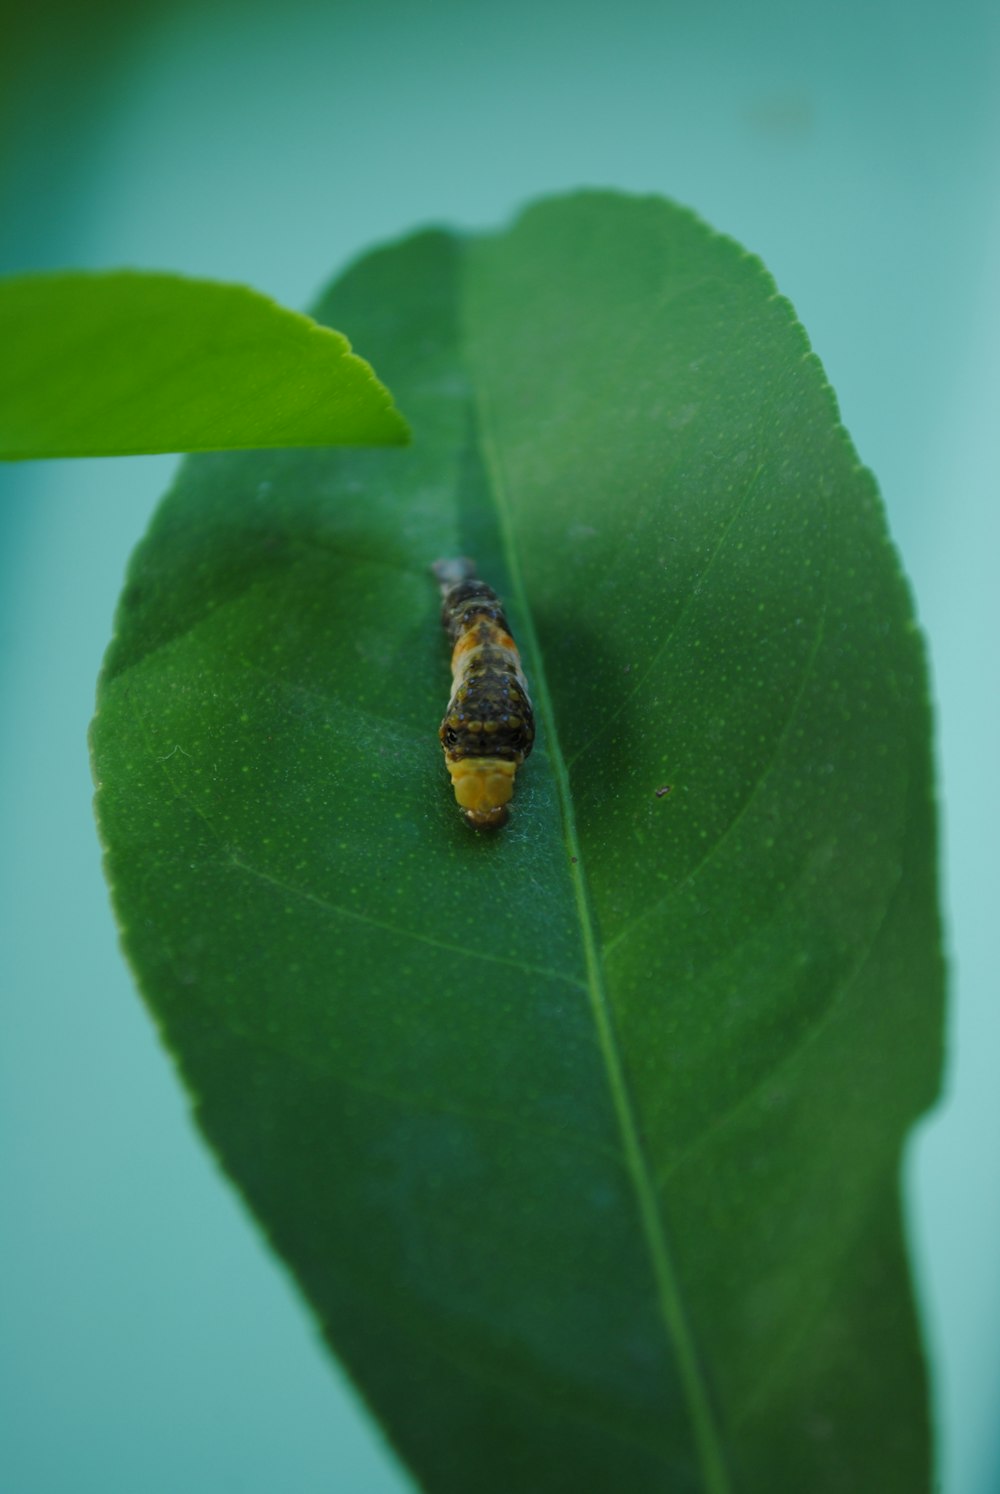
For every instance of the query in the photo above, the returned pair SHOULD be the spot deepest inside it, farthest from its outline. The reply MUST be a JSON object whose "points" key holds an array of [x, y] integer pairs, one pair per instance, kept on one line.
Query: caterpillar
{"points": [[488, 729]]}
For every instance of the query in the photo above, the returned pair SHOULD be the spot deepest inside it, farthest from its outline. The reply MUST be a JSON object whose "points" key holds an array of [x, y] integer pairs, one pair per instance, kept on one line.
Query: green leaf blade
{"points": [[582, 1139], [768, 674], [125, 362]]}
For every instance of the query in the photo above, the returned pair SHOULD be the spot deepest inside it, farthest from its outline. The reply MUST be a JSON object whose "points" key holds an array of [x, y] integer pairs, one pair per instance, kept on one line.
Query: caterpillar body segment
{"points": [[489, 728]]}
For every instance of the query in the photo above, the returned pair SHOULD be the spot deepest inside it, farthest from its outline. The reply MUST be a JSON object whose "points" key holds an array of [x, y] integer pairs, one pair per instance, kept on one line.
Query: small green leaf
{"points": [[119, 363], [582, 1139]]}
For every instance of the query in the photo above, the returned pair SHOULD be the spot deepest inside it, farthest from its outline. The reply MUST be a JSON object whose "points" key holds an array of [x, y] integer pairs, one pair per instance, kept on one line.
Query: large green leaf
{"points": [[583, 1140], [122, 362]]}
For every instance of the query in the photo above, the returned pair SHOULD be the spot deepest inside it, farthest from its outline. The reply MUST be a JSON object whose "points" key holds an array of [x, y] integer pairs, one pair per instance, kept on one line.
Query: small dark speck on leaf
{"points": [[665, 789]]}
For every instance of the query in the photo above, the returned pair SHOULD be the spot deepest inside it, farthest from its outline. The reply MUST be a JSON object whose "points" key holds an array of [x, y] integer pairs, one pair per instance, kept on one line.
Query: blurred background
{"points": [[147, 1339]]}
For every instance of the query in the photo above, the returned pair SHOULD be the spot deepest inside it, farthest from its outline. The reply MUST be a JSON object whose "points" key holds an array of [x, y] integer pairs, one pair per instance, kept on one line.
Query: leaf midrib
{"points": [[707, 1436]]}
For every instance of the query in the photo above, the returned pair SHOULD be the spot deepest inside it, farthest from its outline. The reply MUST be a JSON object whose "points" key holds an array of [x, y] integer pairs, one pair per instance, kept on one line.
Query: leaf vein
{"points": [[788, 1060], [428, 1102], [380, 923], [626, 700], [714, 849], [707, 1436], [518, 1385]]}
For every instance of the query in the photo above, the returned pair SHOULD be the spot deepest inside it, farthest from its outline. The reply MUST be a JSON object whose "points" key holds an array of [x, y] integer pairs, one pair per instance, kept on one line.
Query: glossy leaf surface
{"points": [[125, 362], [583, 1140]]}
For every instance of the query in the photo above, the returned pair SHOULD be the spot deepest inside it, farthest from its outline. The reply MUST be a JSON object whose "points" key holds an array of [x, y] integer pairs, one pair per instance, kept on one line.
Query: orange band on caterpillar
{"points": [[489, 727]]}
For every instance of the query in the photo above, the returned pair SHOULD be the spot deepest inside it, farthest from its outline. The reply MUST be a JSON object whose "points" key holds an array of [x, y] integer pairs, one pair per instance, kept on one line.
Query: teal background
{"points": [[147, 1339]]}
